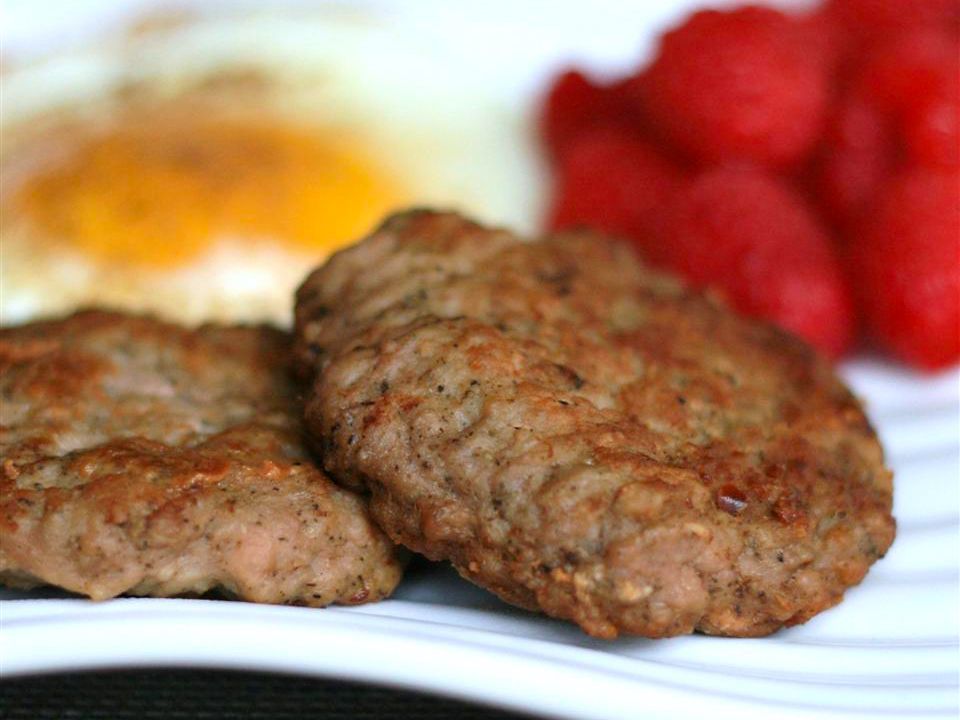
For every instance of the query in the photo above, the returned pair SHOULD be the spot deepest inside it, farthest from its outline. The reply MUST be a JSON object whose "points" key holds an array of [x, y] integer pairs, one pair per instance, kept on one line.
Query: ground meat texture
{"points": [[587, 437], [140, 457]]}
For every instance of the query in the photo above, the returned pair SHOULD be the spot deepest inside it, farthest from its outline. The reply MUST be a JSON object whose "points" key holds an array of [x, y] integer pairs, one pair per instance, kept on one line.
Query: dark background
{"points": [[168, 694]]}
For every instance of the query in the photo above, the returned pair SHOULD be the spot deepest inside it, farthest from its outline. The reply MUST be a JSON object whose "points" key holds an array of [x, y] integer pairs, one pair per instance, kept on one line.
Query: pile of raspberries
{"points": [[807, 167]]}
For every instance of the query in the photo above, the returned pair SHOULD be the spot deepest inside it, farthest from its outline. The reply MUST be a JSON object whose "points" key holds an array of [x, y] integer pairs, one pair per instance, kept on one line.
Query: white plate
{"points": [[889, 650]]}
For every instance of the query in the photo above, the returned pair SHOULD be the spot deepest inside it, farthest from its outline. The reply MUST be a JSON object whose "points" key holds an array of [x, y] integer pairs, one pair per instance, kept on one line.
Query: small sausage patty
{"points": [[141, 457]]}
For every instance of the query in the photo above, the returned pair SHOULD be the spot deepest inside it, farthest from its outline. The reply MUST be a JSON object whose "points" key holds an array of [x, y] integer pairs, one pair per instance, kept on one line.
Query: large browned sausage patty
{"points": [[140, 457], [587, 437]]}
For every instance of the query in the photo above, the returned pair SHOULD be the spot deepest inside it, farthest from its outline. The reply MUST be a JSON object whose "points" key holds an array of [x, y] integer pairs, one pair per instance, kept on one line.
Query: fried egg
{"points": [[199, 169]]}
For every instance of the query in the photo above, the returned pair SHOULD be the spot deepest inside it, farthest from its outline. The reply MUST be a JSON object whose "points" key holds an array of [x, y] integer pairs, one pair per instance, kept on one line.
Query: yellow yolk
{"points": [[157, 189]]}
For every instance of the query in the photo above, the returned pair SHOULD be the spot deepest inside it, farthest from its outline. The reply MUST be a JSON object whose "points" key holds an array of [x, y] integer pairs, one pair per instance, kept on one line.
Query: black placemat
{"points": [[166, 694]]}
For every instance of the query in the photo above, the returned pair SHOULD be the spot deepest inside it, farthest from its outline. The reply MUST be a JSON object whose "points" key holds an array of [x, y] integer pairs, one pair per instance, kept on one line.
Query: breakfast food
{"points": [[615, 182], [576, 105], [857, 160], [586, 436], [140, 457], [200, 166], [904, 268], [740, 229], [737, 84], [830, 106], [900, 110], [871, 19]]}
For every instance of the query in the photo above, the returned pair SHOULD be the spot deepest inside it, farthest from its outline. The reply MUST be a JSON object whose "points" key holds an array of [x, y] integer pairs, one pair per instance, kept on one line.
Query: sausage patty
{"points": [[585, 436], [140, 457]]}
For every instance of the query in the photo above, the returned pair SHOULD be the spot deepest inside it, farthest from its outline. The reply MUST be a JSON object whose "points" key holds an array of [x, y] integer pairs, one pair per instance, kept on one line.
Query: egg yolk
{"points": [[156, 190]]}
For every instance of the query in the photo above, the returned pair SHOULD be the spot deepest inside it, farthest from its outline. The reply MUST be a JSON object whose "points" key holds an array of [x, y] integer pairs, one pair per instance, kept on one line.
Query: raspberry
{"points": [[740, 84], [907, 268], [743, 231], [911, 69], [824, 37], [870, 19], [857, 158], [915, 78], [932, 130], [612, 181], [574, 105], [902, 101]]}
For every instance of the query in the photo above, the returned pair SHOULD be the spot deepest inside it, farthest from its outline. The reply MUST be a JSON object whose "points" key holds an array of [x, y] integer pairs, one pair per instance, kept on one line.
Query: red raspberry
{"points": [[870, 19], [612, 181], [743, 231], [738, 84], [915, 78], [907, 268], [824, 37], [574, 105], [932, 130], [911, 69], [857, 158]]}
